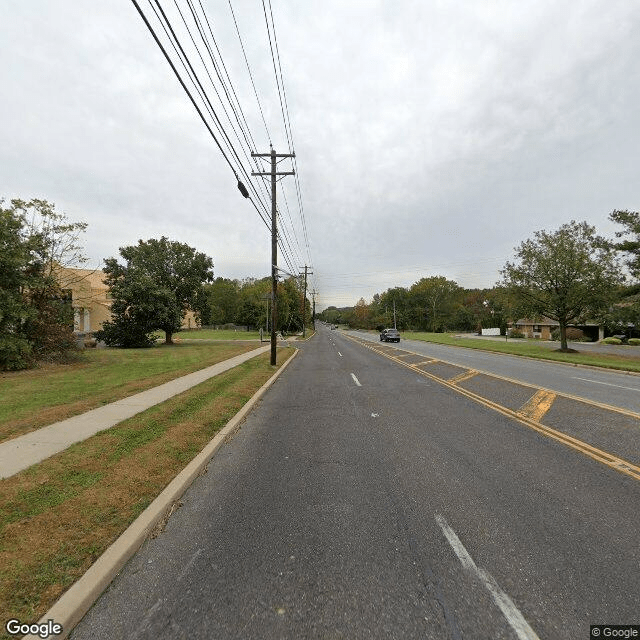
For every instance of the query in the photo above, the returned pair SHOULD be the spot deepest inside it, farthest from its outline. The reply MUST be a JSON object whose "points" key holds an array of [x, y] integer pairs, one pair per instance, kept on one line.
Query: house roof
{"points": [[547, 322]]}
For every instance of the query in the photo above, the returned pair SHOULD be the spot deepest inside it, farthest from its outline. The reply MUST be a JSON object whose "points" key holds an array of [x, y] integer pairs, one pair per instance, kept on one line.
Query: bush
{"points": [[573, 334], [15, 353], [634, 341], [126, 333], [515, 333], [611, 341]]}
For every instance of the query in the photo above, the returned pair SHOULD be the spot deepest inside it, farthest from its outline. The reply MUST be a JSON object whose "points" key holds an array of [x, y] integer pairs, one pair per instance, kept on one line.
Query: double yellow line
{"points": [[529, 414]]}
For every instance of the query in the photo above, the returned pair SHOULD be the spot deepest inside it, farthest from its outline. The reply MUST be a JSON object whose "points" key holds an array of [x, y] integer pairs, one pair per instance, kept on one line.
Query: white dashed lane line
{"points": [[353, 375], [502, 600]]}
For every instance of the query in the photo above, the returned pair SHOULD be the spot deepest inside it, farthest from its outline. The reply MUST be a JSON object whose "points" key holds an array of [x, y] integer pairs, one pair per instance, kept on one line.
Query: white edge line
{"points": [[504, 602], [608, 384], [353, 375]]}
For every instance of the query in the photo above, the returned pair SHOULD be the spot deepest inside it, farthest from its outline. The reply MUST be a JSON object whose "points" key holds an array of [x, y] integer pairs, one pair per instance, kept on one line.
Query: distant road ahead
{"points": [[598, 385]]}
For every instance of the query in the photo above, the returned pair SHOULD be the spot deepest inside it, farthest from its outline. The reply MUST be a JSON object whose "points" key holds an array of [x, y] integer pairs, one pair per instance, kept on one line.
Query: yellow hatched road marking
{"points": [[538, 405], [465, 375], [603, 457]]}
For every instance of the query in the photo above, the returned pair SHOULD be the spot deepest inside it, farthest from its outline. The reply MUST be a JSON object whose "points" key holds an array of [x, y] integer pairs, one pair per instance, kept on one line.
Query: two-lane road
{"points": [[362, 500], [614, 388]]}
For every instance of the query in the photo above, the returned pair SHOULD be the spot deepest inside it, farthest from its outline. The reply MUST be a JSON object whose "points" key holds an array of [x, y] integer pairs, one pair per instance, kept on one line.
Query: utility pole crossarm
{"points": [[268, 173], [274, 155]]}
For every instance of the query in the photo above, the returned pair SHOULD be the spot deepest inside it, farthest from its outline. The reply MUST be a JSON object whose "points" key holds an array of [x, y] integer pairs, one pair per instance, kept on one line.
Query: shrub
{"points": [[515, 333], [634, 341], [573, 334], [15, 353], [611, 341]]}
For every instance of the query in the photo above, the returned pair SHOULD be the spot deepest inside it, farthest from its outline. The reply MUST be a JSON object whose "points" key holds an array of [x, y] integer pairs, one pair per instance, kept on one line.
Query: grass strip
{"points": [[218, 334], [60, 515], [39, 397], [623, 362]]}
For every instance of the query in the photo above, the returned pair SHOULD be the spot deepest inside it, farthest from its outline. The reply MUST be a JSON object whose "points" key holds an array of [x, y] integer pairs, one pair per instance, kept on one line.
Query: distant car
{"points": [[389, 335], [334, 326]]}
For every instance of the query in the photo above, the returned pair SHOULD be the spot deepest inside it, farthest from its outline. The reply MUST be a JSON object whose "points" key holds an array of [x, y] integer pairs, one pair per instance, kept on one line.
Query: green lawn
{"points": [[217, 334], [627, 360], [38, 397], [58, 516]]}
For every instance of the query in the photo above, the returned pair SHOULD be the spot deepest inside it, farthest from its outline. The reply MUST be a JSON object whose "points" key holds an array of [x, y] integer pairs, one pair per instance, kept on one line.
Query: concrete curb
{"points": [[79, 598]]}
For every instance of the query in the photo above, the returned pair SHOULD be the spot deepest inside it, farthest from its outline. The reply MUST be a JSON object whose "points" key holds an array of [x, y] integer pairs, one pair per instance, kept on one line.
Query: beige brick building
{"points": [[89, 297], [91, 300]]}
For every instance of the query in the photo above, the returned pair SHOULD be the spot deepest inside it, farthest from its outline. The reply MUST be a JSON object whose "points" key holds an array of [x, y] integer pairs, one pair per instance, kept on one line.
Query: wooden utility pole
{"points": [[304, 302], [274, 236]]}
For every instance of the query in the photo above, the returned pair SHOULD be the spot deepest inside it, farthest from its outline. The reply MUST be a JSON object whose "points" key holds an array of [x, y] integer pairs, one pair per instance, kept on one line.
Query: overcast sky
{"points": [[431, 137]]}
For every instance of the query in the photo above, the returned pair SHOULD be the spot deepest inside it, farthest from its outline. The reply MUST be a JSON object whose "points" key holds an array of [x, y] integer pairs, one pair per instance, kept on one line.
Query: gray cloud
{"points": [[431, 138]]}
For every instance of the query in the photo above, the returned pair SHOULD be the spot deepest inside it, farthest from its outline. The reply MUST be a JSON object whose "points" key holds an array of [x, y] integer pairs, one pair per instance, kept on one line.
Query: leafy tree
{"points": [[221, 298], [400, 297], [630, 220], [436, 296], [566, 275], [36, 317], [252, 302], [160, 281], [361, 314]]}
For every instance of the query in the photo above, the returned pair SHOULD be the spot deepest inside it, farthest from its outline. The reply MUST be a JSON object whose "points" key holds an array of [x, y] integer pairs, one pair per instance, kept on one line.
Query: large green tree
{"points": [[220, 301], [160, 280], [568, 275], [434, 299]]}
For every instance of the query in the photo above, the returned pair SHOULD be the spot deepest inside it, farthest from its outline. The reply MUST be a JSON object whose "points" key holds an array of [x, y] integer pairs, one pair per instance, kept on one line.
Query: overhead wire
{"points": [[198, 89], [253, 84], [245, 138], [284, 107], [246, 133]]}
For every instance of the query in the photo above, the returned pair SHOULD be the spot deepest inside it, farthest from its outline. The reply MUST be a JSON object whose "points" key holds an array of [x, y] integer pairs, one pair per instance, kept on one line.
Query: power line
{"points": [[245, 140], [250, 74], [286, 118], [205, 97], [193, 101], [184, 86]]}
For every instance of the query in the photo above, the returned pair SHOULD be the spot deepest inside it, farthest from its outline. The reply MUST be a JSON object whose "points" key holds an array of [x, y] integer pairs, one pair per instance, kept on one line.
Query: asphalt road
{"points": [[362, 500], [614, 388]]}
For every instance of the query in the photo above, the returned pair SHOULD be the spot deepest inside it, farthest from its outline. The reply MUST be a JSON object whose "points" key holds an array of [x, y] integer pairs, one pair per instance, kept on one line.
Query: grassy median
{"points": [[57, 517], [39, 397], [627, 360]]}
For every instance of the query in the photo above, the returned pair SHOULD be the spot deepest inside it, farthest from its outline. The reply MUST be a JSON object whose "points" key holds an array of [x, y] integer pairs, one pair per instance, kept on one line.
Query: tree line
{"points": [[571, 275], [152, 285], [247, 302]]}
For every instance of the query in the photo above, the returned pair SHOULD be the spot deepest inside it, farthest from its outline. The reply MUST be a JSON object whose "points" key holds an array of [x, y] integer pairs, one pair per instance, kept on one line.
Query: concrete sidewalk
{"points": [[22, 452]]}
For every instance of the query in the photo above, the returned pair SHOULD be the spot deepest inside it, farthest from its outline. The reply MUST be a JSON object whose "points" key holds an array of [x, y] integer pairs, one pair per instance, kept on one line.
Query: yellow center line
{"points": [[603, 457], [538, 405]]}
